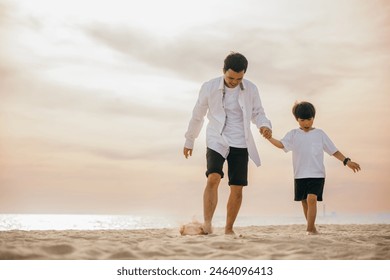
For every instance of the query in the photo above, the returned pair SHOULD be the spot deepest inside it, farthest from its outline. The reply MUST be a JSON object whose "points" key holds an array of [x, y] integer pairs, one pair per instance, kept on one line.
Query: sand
{"points": [[287, 242]]}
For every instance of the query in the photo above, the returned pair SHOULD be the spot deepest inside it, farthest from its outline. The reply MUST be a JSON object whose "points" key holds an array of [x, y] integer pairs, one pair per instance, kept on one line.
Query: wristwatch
{"points": [[345, 161]]}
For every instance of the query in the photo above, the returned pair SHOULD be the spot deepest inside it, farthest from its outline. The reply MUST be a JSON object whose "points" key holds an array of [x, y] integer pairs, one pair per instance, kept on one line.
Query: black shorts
{"points": [[237, 165], [305, 186]]}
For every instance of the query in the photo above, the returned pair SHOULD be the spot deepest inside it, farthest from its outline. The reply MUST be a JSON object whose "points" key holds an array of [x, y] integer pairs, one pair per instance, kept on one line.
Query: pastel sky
{"points": [[95, 98]]}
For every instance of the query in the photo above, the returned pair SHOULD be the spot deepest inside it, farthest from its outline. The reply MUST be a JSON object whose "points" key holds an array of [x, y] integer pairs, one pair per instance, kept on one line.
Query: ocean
{"points": [[132, 222]]}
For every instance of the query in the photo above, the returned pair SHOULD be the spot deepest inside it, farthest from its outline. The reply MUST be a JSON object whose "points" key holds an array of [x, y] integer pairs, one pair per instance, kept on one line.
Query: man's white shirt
{"points": [[210, 102]]}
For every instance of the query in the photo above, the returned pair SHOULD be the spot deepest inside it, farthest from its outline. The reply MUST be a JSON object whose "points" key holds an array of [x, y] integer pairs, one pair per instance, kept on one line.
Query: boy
{"points": [[307, 145]]}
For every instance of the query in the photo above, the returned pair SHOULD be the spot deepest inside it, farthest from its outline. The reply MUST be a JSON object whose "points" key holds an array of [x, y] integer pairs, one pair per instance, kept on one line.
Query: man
{"points": [[230, 103]]}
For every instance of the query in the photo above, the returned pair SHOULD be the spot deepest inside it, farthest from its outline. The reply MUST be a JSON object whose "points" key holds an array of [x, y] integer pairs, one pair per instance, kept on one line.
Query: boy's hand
{"points": [[266, 132], [354, 166]]}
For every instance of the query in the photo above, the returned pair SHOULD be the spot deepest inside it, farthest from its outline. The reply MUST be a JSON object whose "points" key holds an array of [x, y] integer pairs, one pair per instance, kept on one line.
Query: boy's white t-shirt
{"points": [[308, 151]]}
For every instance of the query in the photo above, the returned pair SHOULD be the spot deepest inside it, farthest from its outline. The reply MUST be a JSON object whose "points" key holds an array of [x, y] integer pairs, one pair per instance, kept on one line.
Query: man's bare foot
{"points": [[312, 232], [229, 231], [207, 228]]}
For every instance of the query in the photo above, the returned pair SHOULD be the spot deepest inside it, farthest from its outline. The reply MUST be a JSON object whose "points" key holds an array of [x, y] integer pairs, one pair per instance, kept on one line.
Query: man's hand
{"points": [[266, 132], [187, 152]]}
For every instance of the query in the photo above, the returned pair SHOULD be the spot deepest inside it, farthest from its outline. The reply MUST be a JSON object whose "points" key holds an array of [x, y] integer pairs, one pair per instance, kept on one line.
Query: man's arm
{"points": [[196, 122], [259, 117]]}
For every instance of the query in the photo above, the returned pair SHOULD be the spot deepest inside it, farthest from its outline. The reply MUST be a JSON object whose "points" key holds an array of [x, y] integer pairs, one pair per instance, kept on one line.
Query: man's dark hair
{"points": [[303, 110], [235, 61]]}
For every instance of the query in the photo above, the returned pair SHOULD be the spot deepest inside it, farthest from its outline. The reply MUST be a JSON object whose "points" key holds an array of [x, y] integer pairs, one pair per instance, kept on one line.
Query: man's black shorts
{"points": [[305, 186], [237, 160]]}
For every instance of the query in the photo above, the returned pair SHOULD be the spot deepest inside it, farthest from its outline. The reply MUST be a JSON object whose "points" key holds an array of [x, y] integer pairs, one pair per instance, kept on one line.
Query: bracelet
{"points": [[346, 161]]}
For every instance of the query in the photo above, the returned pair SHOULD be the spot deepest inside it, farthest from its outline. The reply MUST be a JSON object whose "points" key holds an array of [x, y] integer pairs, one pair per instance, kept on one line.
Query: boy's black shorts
{"points": [[237, 165], [305, 186]]}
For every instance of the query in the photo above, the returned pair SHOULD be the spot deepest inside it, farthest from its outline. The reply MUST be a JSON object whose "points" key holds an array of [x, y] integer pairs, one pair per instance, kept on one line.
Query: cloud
{"points": [[277, 57], [185, 57], [310, 56], [3, 13]]}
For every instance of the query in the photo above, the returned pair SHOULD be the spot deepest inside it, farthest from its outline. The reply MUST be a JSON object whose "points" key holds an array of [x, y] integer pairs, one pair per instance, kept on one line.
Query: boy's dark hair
{"points": [[235, 61], [303, 110]]}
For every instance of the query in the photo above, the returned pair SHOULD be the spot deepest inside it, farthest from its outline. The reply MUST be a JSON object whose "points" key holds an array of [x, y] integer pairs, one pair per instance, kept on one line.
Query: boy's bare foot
{"points": [[310, 230]]}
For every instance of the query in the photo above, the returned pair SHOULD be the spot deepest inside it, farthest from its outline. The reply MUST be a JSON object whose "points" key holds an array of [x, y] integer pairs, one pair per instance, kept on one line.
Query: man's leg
{"points": [[311, 213], [210, 200], [233, 207]]}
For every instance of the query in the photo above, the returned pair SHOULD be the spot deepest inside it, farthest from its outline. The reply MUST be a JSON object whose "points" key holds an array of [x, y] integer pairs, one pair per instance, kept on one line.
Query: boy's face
{"points": [[306, 124], [232, 78]]}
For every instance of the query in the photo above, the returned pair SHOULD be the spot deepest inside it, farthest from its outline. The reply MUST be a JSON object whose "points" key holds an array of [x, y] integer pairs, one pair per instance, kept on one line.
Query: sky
{"points": [[95, 98]]}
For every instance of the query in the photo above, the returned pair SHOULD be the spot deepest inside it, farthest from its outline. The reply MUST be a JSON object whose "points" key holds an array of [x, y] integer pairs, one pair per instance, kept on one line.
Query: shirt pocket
{"points": [[316, 149]]}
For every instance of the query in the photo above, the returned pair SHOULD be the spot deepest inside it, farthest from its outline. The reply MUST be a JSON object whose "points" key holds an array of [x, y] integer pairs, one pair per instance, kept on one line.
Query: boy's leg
{"points": [[210, 200], [233, 207], [311, 213], [304, 206]]}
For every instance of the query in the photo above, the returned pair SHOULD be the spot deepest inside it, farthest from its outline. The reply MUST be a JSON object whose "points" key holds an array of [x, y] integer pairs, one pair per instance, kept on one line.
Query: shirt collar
{"points": [[222, 84]]}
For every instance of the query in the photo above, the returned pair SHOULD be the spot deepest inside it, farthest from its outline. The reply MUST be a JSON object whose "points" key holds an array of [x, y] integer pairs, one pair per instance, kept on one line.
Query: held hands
{"points": [[266, 132], [187, 152]]}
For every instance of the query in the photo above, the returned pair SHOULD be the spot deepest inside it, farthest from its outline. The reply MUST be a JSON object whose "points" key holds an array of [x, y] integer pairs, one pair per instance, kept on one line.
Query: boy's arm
{"points": [[276, 143], [347, 161]]}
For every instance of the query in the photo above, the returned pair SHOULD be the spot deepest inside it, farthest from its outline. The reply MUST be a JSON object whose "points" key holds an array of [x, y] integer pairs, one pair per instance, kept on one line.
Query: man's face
{"points": [[233, 79]]}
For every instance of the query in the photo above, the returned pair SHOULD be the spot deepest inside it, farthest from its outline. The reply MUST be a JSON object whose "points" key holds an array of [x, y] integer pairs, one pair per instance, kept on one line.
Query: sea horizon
{"points": [[138, 222]]}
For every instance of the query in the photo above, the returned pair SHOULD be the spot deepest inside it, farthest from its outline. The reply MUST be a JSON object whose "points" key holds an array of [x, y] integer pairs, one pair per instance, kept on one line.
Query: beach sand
{"points": [[282, 242]]}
